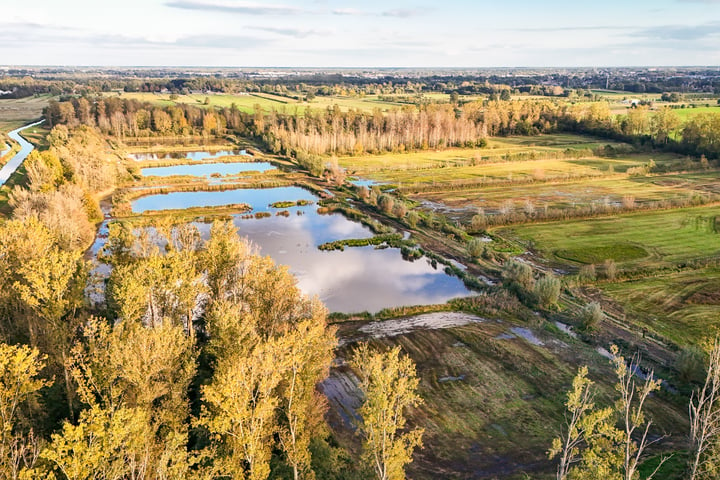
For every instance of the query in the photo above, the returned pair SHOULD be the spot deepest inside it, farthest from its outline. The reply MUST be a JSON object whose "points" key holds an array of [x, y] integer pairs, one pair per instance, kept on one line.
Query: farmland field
{"points": [[550, 171], [682, 306], [266, 101], [644, 239], [600, 192], [15, 113], [496, 149], [687, 113]]}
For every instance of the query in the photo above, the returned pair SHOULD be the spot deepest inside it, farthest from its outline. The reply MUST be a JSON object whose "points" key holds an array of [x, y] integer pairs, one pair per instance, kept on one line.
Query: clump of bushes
{"points": [[475, 247], [610, 269], [547, 290], [587, 273], [516, 273], [590, 317], [385, 202]]}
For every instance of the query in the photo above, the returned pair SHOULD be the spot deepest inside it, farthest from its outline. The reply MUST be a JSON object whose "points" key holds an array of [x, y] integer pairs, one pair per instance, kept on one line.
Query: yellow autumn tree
{"points": [[134, 381], [240, 411], [308, 349], [389, 384], [20, 368]]}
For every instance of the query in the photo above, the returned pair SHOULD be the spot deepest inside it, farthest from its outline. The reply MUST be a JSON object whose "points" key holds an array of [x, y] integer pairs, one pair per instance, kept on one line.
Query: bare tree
{"points": [[705, 415], [579, 404], [630, 407]]}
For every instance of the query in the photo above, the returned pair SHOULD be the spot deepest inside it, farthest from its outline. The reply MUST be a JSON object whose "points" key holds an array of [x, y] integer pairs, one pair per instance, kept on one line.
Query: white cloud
{"points": [[236, 8]]}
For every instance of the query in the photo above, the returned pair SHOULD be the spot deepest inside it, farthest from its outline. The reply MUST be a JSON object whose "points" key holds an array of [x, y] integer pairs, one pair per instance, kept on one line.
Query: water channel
{"points": [[17, 159]]}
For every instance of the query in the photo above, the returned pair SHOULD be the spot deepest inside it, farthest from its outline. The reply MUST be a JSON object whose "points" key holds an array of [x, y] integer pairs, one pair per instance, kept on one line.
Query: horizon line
{"points": [[294, 67]]}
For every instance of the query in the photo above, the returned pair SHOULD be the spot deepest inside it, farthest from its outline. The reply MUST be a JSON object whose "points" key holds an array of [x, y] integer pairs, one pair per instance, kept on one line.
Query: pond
{"points": [[258, 198], [354, 280], [196, 155], [364, 182], [207, 169], [350, 281]]}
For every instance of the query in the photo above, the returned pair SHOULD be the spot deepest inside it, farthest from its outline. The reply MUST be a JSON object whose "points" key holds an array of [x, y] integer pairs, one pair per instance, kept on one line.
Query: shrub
{"points": [[590, 317], [386, 203], [400, 209], [547, 290], [475, 247], [412, 218], [363, 192], [479, 221], [610, 269], [587, 273], [690, 364], [518, 273]]}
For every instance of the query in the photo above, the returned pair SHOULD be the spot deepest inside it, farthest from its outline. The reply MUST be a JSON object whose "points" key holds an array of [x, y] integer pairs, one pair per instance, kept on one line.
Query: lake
{"points": [[258, 198], [354, 280]]}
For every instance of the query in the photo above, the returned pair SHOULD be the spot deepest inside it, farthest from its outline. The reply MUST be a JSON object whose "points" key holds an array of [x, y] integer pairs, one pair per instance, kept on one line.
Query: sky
{"points": [[371, 33]]}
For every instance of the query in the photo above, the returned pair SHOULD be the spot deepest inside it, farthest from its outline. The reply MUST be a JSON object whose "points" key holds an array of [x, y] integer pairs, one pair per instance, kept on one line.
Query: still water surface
{"points": [[354, 280], [17, 159], [258, 198]]}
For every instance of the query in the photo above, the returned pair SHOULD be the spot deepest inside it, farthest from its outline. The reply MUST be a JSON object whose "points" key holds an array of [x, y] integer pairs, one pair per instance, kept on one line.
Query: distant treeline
{"points": [[19, 83], [131, 118]]}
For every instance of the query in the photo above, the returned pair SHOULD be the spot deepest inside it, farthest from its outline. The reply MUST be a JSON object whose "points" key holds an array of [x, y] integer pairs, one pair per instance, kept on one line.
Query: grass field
{"points": [[565, 195], [15, 113], [37, 135], [644, 239], [619, 94], [687, 113], [697, 104], [521, 170], [548, 171], [682, 306], [495, 151], [267, 102], [543, 170], [518, 170]]}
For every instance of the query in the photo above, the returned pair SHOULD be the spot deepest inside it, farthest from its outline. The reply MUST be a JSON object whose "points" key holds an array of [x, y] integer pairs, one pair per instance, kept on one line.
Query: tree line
{"points": [[432, 126], [131, 118]]}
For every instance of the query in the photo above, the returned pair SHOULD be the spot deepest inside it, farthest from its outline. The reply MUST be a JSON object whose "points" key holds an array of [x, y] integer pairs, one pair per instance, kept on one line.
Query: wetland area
{"points": [[289, 223], [295, 246], [355, 280]]}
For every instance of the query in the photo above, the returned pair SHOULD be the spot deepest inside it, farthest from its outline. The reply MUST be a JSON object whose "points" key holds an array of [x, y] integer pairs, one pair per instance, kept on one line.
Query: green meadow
{"points": [[683, 307], [647, 239], [266, 101]]}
